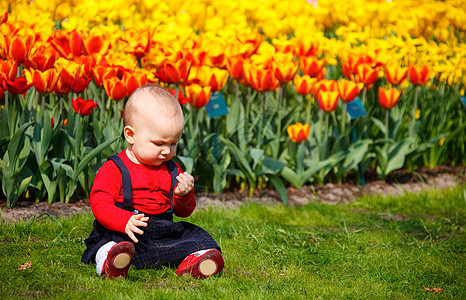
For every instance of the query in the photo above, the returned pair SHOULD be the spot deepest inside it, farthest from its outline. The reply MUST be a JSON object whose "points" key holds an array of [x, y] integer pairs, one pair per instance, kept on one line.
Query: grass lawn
{"points": [[375, 247]]}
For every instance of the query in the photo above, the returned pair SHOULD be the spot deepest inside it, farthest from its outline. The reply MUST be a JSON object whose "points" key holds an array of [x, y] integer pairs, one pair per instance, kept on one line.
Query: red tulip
{"points": [[298, 132], [389, 97], [324, 85], [304, 84], [19, 47], [17, 86], [312, 66], [8, 69], [68, 44], [133, 80], [235, 67], [83, 107], [284, 66], [115, 88], [181, 99], [44, 82], [96, 45], [328, 100], [395, 74], [197, 95], [419, 75], [79, 84], [348, 90], [261, 80], [174, 72], [367, 75]]}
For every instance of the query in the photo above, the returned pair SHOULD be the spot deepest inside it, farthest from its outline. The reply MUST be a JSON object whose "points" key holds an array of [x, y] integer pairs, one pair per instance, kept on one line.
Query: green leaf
{"points": [[280, 187], [256, 155], [272, 166], [187, 162], [91, 155], [355, 154], [243, 163], [396, 157], [291, 177]]}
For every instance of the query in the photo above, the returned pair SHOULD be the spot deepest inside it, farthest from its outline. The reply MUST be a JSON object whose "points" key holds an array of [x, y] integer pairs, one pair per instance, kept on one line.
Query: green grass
{"points": [[376, 247]]}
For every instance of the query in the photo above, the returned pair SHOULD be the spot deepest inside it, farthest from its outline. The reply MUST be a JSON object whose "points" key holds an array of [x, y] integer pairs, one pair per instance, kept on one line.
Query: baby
{"points": [[136, 193]]}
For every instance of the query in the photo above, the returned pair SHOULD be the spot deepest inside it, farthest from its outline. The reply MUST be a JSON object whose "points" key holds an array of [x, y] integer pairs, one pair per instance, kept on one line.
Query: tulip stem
{"points": [[386, 123], [363, 96], [42, 106], [343, 120], [6, 100], [413, 120]]}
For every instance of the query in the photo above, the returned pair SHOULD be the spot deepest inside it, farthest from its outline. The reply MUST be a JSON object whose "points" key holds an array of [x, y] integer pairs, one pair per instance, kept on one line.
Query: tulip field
{"points": [[274, 93]]}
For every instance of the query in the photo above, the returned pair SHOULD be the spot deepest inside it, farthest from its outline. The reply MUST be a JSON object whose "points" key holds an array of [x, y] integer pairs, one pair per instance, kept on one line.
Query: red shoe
{"points": [[201, 264], [118, 260]]}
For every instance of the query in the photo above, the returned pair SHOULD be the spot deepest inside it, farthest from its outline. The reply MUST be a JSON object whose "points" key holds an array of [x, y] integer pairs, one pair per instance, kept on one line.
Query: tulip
{"points": [[235, 67], [395, 74], [312, 66], [249, 43], [99, 73], [181, 99], [96, 45], [419, 75], [298, 132], [216, 79], [18, 86], [304, 84], [137, 42], [389, 97], [348, 90], [79, 84], [115, 88], [174, 72], [60, 88], [262, 80], [83, 107], [68, 44], [197, 95], [133, 80], [19, 47], [41, 59], [350, 65], [328, 100], [52, 122], [44, 82], [8, 69], [306, 47], [324, 85], [367, 75], [284, 66]]}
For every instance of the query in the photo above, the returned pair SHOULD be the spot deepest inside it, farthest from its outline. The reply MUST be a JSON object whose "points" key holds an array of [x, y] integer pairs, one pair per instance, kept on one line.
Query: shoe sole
{"points": [[207, 267], [118, 260]]}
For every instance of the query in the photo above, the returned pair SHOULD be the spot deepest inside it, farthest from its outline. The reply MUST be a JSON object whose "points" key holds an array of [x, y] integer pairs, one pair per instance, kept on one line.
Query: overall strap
{"points": [[173, 172], [126, 182]]}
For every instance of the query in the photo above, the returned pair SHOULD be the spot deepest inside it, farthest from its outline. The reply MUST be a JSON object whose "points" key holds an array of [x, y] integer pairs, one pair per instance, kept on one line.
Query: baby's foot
{"points": [[118, 260], [201, 264]]}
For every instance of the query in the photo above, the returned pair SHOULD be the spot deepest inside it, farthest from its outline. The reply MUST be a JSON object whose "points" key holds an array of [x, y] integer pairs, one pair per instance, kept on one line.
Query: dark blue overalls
{"points": [[163, 241]]}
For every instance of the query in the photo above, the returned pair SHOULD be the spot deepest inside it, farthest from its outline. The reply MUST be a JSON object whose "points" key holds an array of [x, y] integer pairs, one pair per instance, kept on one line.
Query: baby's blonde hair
{"points": [[150, 96]]}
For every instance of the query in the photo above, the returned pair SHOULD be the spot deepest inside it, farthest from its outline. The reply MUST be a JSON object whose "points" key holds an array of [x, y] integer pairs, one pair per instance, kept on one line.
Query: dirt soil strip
{"points": [[400, 182]]}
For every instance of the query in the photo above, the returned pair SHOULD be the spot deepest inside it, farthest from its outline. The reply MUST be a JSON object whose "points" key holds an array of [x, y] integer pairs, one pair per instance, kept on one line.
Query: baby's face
{"points": [[155, 138]]}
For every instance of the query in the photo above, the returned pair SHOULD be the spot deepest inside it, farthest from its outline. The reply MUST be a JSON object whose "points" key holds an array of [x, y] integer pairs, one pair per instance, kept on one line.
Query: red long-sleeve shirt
{"points": [[150, 186]]}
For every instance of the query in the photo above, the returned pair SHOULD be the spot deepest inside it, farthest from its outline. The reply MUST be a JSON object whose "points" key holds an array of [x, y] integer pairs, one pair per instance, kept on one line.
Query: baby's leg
{"points": [[113, 259], [101, 256], [202, 264]]}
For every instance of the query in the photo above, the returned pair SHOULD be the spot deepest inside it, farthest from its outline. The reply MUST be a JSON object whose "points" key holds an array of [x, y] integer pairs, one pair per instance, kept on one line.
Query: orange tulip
{"points": [[248, 43], [348, 90], [306, 48], [350, 65], [284, 46], [298, 132], [328, 100], [419, 75], [367, 75], [284, 66], [217, 79], [312, 66], [43, 58], [137, 41], [19, 47], [389, 97], [174, 72], [44, 82], [261, 80], [96, 45], [8, 69], [304, 84], [67, 44], [99, 73], [197, 95], [115, 88], [133, 80], [395, 74], [324, 85], [60, 88], [235, 67]]}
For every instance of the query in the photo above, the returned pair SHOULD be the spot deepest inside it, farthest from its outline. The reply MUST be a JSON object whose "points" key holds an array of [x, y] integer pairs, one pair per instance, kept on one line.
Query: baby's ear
{"points": [[129, 134]]}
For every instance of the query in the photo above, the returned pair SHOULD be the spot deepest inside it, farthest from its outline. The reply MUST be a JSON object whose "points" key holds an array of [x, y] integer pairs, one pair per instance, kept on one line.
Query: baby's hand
{"points": [[185, 185], [132, 226]]}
